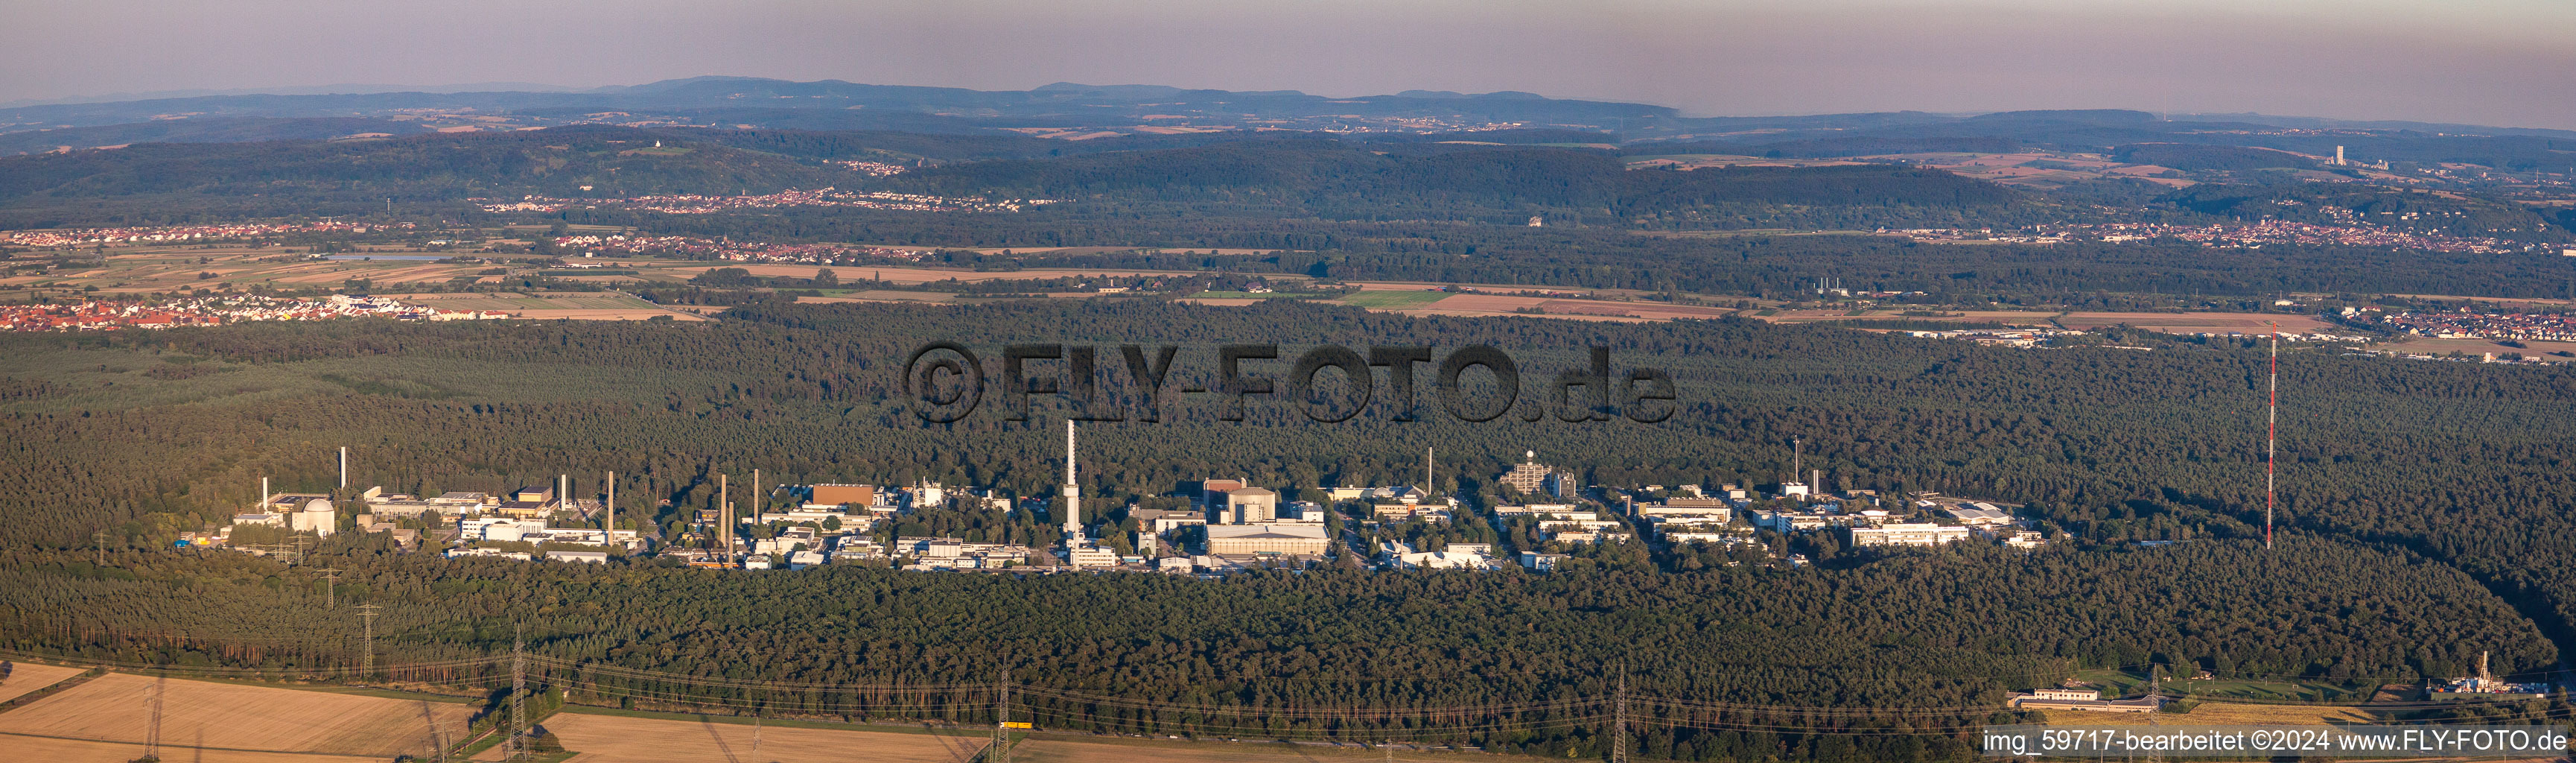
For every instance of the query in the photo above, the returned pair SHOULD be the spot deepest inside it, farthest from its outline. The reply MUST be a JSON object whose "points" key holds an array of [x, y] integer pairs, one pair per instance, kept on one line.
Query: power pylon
{"points": [[367, 658], [518, 691], [152, 737], [1619, 742], [330, 587], [1000, 749]]}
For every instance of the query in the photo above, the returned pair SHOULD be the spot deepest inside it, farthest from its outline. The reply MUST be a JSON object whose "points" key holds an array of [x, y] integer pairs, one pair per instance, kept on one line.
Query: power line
{"points": [[518, 693], [367, 657]]}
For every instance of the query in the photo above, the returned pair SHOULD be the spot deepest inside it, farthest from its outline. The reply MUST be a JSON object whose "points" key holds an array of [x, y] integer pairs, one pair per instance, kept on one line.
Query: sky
{"points": [[2491, 62]]}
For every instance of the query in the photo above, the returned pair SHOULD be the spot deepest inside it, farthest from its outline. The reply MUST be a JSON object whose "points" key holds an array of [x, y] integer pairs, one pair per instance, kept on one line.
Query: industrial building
{"points": [[1907, 534], [1251, 506], [1251, 540]]}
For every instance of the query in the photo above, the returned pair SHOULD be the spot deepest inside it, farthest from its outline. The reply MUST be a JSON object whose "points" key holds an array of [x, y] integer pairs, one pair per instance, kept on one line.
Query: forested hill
{"points": [[1319, 172], [616, 161], [1229, 176]]}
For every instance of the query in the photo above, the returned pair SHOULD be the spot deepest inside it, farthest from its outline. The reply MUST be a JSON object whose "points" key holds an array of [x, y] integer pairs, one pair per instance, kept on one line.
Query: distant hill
{"points": [[211, 130], [1330, 173], [442, 167]]}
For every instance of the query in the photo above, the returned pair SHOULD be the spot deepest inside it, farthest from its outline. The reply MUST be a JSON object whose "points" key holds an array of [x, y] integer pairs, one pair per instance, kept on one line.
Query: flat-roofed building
{"points": [[1242, 540], [1716, 507], [1166, 520], [1907, 534], [836, 494], [1979, 514]]}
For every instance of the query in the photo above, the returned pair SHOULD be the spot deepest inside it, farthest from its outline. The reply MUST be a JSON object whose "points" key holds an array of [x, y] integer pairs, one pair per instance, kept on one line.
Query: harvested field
{"points": [[611, 739], [1390, 299], [2536, 349], [884, 296], [239, 717], [26, 677], [172, 749]]}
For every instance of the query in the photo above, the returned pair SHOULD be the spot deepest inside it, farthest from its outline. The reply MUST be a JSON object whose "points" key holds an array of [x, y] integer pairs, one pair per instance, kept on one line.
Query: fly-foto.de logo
{"points": [[948, 381]]}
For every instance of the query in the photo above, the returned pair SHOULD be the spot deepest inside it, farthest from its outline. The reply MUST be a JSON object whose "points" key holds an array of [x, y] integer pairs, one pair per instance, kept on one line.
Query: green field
{"points": [[1393, 300]]}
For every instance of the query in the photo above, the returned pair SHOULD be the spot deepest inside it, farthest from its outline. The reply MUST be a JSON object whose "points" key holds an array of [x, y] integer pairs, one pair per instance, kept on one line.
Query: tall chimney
{"points": [[344, 467], [264, 494], [724, 514], [609, 538], [1072, 498]]}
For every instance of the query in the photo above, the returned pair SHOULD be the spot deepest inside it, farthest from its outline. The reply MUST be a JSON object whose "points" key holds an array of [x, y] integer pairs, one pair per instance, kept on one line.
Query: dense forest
{"points": [[2397, 479]]}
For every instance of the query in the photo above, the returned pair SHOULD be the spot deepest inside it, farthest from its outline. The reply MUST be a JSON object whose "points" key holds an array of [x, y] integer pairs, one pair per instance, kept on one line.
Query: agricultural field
{"points": [[239, 717], [2226, 714], [2424, 346], [26, 677], [583, 306], [52, 750], [603, 738], [881, 295], [1391, 299], [1051, 750]]}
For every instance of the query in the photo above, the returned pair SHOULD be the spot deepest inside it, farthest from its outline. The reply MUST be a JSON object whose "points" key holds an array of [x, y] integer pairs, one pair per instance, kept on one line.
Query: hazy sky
{"points": [[2499, 62]]}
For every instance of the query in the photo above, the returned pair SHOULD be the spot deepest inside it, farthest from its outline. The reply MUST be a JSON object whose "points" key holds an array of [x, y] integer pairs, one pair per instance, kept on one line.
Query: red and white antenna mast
{"points": [[2272, 439]]}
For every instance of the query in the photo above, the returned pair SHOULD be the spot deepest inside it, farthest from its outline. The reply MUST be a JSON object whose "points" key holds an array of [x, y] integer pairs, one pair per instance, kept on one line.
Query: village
{"points": [[2233, 236], [215, 311], [165, 234], [694, 204]]}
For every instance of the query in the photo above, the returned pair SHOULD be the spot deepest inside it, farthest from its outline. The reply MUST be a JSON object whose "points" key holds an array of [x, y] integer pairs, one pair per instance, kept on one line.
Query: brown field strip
{"points": [[238, 717], [612, 739], [26, 677], [2421, 346], [2224, 714], [174, 749]]}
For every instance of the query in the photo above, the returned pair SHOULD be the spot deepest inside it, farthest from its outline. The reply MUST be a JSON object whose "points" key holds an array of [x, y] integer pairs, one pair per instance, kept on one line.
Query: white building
{"points": [[315, 517], [1907, 534], [1091, 556], [1245, 540], [1979, 514], [1444, 560]]}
